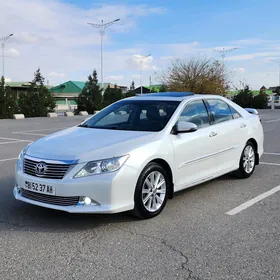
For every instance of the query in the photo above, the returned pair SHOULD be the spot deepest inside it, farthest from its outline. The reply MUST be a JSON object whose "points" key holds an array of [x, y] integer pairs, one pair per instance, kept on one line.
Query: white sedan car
{"points": [[136, 153]]}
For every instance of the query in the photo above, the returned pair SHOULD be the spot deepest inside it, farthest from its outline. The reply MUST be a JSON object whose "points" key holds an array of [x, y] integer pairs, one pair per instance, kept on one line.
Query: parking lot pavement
{"points": [[197, 236]]}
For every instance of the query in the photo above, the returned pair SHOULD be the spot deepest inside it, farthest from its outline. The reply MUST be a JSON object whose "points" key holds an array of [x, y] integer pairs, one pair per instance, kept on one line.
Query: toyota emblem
{"points": [[40, 168]]}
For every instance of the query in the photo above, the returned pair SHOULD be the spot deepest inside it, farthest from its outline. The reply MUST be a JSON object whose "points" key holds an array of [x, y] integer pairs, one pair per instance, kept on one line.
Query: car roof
{"points": [[171, 96]]}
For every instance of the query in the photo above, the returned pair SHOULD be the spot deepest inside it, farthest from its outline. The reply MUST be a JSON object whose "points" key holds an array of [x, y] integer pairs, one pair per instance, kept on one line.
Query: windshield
{"points": [[135, 115]]}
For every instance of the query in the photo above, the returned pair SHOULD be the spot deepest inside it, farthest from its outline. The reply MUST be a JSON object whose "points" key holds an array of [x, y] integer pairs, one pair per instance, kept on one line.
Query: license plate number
{"points": [[39, 188]]}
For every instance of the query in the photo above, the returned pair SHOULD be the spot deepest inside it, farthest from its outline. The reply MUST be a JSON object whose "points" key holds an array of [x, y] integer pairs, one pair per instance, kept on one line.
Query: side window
{"points": [[220, 110], [196, 113], [234, 113]]}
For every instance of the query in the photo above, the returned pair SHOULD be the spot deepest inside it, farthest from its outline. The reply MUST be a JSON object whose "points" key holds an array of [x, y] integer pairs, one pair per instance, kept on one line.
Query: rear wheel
{"points": [[151, 191], [247, 162]]}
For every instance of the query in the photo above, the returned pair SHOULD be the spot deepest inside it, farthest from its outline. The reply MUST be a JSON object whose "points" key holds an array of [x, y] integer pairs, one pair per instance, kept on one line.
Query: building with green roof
{"points": [[67, 92]]}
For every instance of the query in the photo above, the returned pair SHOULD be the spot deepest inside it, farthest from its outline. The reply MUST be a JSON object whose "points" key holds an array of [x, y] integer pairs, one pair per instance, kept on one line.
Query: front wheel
{"points": [[151, 191], [247, 162]]}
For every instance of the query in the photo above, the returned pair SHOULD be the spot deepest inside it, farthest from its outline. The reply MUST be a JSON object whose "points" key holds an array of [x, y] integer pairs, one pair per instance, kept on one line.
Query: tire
{"points": [[245, 171], [148, 201]]}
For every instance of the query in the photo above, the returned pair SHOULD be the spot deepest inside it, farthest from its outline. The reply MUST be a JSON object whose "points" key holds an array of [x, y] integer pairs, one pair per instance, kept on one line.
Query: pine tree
{"points": [[90, 99], [96, 92], [112, 95], [2, 97], [132, 86], [11, 103], [8, 105], [37, 101], [131, 92]]}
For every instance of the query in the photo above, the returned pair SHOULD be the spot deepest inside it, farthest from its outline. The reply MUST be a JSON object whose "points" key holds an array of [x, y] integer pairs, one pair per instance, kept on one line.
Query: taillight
{"points": [[260, 118]]}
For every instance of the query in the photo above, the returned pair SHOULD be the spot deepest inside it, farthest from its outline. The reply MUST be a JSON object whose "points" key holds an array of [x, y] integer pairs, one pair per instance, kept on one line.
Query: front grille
{"points": [[53, 171], [50, 199]]}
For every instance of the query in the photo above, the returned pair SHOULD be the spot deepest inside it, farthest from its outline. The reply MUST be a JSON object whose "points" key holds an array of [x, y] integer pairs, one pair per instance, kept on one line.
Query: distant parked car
{"points": [[161, 143]]}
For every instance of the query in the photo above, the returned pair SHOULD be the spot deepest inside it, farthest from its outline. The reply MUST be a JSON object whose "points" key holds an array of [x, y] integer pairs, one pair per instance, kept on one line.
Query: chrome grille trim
{"points": [[54, 171], [51, 199]]}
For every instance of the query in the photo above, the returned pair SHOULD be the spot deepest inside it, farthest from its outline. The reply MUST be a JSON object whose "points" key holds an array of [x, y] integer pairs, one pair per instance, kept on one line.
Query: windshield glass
{"points": [[136, 115]]}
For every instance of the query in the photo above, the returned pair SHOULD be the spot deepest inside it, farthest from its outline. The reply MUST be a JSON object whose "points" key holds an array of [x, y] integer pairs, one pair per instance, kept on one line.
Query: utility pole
{"points": [[223, 52], [3, 40], [102, 28], [141, 74]]}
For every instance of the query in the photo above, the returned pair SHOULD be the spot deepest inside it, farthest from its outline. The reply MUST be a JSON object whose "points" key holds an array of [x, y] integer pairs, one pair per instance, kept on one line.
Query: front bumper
{"points": [[111, 193]]}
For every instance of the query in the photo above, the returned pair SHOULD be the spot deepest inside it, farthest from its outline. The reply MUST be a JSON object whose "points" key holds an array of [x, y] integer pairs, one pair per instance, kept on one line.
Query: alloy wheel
{"points": [[153, 191], [249, 159]]}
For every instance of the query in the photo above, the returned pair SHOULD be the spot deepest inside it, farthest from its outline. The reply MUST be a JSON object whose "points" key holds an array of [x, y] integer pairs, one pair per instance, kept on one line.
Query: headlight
{"points": [[21, 157], [102, 166]]}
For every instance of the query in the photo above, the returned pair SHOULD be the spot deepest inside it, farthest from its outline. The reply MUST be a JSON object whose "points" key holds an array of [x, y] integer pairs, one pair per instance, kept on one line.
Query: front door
{"points": [[195, 153]]}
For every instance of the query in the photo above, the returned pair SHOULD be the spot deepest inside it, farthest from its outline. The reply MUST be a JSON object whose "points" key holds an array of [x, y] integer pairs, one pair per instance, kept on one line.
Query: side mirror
{"points": [[184, 127], [252, 111]]}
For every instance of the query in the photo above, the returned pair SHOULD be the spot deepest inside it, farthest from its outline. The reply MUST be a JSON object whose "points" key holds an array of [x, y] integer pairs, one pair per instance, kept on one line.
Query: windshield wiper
{"points": [[83, 125], [116, 127]]}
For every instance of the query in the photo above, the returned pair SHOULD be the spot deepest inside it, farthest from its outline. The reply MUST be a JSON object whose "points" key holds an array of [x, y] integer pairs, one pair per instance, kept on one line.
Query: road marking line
{"points": [[36, 134], [13, 139], [7, 159], [37, 130], [272, 121], [11, 142], [270, 163], [273, 154], [253, 201]]}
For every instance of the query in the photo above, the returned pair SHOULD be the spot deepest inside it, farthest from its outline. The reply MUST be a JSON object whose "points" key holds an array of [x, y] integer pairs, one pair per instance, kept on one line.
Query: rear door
{"points": [[231, 132], [195, 153]]}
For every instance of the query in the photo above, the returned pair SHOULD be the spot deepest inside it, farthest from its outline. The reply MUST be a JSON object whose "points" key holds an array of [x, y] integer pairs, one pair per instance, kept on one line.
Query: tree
{"points": [[163, 88], [260, 101], [206, 76], [112, 95], [90, 99], [8, 105], [244, 97], [131, 92], [37, 101], [2, 98], [132, 86]]}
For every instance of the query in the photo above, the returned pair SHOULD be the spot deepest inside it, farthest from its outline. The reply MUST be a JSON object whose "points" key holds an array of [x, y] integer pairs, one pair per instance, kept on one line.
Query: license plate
{"points": [[39, 188]]}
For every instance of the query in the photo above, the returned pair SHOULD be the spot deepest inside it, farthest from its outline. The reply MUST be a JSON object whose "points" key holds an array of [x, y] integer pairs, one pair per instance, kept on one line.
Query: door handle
{"points": [[243, 125], [212, 134]]}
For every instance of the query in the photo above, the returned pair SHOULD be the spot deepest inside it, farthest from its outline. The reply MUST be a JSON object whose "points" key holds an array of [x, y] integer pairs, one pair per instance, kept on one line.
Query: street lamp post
{"points": [[278, 62], [3, 40], [223, 52], [141, 63], [102, 28], [272, 101]]}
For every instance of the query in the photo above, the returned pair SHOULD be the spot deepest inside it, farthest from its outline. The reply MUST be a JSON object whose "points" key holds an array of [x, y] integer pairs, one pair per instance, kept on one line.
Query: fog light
{"points": [[87, 201]]}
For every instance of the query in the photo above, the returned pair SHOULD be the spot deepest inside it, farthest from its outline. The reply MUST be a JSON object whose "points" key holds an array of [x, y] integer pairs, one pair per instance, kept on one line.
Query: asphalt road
{"points": [[193, 238]]}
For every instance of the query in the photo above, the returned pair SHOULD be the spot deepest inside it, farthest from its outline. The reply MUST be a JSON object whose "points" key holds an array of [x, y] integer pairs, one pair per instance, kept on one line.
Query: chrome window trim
{"points": [[51, 161]]}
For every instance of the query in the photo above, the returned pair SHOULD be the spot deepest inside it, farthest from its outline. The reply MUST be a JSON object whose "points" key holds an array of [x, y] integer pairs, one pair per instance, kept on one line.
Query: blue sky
{"points": [[54, 36]]}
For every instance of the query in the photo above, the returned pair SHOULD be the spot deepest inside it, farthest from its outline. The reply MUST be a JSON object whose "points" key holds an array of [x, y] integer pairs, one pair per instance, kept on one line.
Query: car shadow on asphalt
{"points": [[17, 215]]}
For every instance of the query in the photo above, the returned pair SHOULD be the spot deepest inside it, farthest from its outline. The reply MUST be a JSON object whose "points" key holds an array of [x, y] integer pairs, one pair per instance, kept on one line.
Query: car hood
{"points": [[85, 144]]}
